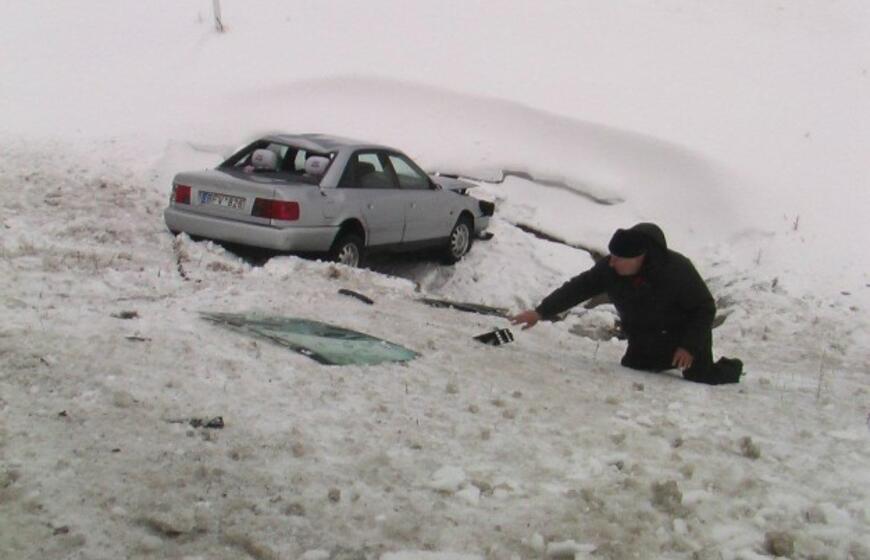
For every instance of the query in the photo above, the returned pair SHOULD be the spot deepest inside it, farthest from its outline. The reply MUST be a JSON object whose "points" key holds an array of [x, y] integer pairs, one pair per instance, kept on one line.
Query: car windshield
{"points": [[290, 161]]}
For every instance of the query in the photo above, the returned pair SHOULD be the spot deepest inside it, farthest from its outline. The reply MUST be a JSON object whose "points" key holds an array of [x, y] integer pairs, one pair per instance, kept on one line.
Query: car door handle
{"points": [[370, 206], [413, 205]]}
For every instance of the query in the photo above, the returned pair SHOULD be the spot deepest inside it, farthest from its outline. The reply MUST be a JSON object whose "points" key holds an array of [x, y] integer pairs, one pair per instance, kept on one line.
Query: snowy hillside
{"points": [[737, 127]]}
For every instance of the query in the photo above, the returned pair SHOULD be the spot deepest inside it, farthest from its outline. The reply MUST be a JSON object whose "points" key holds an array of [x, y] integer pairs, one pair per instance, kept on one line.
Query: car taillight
{"points": [[181, 194], [276, 209]]}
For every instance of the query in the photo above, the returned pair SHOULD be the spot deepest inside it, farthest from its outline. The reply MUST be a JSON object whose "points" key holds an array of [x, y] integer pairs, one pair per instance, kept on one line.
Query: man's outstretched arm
{"points": [[528, 319], [576, 290]]}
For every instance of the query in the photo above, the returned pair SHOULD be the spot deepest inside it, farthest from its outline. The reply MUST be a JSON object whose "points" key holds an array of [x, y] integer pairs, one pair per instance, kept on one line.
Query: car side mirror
{"points": [[434, 186]]}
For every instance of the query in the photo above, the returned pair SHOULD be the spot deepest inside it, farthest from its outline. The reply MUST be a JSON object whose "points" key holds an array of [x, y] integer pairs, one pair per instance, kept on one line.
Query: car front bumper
{"points": [[293, 238]]}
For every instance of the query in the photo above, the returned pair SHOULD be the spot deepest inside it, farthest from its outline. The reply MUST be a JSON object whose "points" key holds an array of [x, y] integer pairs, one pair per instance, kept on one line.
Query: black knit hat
{"points": [[627, 244]]}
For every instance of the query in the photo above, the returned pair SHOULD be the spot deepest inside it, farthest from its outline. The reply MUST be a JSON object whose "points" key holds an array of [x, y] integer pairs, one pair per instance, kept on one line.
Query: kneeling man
{"points": [[664, 305]]}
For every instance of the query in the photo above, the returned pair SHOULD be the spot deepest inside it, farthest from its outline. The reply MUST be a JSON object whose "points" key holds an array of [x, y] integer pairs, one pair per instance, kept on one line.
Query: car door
{"points": [[371, 189], [427, 212]]}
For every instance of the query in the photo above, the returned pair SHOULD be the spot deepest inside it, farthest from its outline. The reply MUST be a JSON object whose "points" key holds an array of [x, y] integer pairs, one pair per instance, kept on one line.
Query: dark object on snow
{"points": [[779, 543], [216, 423], [665, 306], [486, 235], [357, 295], [468, 307], [135, 338], [496, 337], [729, 368], [176, 247], [322, 342], [126, 315]]}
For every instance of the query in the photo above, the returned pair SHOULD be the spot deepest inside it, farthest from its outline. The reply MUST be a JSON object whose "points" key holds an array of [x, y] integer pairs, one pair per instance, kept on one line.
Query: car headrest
{"points": [[363, 168], [316, 165], [266, 160]]}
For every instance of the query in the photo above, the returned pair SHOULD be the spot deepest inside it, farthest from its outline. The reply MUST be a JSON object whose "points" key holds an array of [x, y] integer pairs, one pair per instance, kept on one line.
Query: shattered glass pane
{"points": [[325, 343]]}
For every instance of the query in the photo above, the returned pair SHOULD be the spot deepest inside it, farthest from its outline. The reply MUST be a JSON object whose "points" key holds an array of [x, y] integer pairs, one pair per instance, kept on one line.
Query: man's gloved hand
{"points": [[527, 319], [682, 359]]}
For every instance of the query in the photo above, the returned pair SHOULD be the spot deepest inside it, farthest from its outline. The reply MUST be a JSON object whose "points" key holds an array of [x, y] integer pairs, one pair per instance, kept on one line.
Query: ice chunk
{"points": [[448, 479], [470, 494]]}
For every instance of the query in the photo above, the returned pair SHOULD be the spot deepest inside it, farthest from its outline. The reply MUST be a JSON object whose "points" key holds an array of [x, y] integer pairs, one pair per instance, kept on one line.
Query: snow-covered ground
{"points": [[737, 127]]}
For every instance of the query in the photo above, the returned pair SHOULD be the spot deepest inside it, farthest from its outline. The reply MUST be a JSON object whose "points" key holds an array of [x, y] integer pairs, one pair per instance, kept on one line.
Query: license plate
{"points": [[225, 200]]}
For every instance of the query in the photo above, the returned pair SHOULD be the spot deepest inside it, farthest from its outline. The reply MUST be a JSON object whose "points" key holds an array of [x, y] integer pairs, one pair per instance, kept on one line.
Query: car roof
{"points": [[325, 142]]}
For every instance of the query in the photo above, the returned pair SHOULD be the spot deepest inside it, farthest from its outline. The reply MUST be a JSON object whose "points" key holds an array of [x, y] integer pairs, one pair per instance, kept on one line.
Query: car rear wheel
{"points": [[459, 242], [348, 249]]}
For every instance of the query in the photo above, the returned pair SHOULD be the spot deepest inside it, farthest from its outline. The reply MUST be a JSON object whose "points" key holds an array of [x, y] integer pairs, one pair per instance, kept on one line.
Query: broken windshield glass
{"points": [[325, 343]]}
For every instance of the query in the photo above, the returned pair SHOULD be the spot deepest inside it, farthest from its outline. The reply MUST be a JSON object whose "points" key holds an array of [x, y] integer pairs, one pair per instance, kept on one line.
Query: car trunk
{"points": [[228, 194]]}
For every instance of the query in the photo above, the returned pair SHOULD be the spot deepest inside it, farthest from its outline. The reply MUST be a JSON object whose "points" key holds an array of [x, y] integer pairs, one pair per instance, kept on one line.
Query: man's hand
{"points": [[527, 318], [682, 359]]}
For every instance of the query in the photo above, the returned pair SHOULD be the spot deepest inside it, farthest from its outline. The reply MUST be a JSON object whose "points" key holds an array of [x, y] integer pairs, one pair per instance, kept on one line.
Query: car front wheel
{"points": [[459, 242], [348, 249]]}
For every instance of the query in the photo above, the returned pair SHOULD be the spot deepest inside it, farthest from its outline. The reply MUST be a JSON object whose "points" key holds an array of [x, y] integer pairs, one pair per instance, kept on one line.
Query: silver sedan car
{"points": [[313, 193]]}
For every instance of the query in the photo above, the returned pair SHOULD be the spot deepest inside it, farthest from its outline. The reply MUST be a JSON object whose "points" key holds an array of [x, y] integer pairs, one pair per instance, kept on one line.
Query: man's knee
{"points": [[644, 362], [630, 361], [653, 351]]}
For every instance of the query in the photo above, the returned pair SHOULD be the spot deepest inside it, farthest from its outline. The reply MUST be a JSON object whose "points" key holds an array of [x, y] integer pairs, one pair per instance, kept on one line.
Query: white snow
{"points": [[739, 127]]}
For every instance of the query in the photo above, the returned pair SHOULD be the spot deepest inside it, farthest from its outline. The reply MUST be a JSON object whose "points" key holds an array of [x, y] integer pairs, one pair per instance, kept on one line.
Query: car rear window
{"points": [[291, 159]]}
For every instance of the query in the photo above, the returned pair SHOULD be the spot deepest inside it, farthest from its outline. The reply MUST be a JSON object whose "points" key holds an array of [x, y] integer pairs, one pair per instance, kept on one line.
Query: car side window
{"points": [[366, 170], [409, 177]]}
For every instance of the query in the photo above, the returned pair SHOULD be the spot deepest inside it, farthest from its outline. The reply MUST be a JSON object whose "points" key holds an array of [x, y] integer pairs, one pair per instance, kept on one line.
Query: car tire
{"points": [[348, 249], [460, 240]]}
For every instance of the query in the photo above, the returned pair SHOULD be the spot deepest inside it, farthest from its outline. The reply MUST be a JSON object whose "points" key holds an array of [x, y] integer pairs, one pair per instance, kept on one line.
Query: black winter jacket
{"points": [[667, 295]]}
